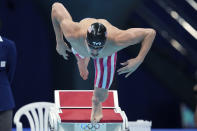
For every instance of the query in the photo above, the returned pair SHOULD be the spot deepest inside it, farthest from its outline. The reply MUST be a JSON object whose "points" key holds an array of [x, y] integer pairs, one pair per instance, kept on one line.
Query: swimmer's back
{"points": [[86, 22]]}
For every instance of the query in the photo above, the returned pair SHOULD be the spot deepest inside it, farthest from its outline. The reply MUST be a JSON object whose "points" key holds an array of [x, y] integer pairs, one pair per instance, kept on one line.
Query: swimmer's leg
{"points": [[104, 73]]}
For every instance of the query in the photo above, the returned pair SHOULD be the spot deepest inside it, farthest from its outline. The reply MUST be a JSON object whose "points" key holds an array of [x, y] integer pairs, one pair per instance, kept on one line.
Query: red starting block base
{"points": [[73, 111], [83, 116]]}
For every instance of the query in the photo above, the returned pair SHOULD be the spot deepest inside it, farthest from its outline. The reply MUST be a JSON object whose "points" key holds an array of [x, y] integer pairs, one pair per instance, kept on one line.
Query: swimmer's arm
{"points": [[134, 36], [131, 37], [58, 15], [63, 25]]}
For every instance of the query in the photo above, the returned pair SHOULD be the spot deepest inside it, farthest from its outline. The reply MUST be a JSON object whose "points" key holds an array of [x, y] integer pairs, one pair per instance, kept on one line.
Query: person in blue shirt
{"points": [[7, 69]]}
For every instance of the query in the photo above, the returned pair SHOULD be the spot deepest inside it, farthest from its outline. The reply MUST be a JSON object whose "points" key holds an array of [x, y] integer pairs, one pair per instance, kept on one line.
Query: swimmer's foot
{"points": [[96, 114]]}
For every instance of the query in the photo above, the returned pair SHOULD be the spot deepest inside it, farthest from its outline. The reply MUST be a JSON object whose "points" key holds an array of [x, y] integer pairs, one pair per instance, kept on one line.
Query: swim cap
{"points": [[96, 36]]}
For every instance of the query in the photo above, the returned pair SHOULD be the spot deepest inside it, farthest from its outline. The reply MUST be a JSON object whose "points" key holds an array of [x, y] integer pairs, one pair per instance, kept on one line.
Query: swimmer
{"points": [[99, 40]]}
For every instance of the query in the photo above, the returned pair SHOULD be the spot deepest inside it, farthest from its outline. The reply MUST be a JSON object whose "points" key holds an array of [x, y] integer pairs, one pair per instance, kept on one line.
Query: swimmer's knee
{"points": [[103, 98], [95, 100], [101, 94]]}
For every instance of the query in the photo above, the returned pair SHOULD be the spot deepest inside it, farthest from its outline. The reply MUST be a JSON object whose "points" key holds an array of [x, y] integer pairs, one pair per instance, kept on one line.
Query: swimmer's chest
{"points": [[80, 47]]}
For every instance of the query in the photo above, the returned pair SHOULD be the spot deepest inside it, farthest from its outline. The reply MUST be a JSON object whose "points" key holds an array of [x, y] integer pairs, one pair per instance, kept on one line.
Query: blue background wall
{"points": [[153, 92]]}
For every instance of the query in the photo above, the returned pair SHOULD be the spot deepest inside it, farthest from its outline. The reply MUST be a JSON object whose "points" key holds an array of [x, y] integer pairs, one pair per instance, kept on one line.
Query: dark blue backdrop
{"points": [[40, 70]]}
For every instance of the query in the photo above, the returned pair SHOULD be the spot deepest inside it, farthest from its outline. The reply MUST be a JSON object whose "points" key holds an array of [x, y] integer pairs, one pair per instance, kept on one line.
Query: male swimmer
{"points": [[99, 40]]}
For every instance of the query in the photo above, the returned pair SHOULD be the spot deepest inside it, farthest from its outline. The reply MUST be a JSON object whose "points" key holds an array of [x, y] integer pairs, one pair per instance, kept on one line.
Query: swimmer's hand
{"points": [[129, 66], [62, 49]]}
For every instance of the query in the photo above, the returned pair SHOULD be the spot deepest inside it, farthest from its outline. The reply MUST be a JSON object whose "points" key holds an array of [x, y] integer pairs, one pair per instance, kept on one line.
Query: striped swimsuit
{"points": [[104, 70]]}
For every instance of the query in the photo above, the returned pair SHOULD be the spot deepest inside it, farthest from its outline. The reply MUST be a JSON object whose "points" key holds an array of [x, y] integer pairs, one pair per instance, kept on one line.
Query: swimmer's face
{"points": [[93, 51]]}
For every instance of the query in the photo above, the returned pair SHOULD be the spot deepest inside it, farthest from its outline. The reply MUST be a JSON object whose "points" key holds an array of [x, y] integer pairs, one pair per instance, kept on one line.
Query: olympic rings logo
{"points": [[90, 127]]}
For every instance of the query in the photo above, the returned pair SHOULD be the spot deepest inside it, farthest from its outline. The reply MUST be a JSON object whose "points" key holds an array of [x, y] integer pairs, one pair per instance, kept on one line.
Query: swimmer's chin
{"points": [[94, 56]]}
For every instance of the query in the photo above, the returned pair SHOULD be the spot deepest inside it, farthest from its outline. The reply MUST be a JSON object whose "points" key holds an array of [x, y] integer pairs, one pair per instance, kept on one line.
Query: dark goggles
{"points": [[95, 47]]}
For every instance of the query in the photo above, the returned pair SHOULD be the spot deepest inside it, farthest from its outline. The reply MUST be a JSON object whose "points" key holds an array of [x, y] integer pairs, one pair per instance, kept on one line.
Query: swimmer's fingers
{"points": [[123, 70], [131, 66], [128, 74], [65, 57], [127, 70], [67, 48]]}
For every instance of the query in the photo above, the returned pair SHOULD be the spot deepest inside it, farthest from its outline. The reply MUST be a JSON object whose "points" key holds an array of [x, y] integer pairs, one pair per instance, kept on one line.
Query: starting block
{"points": [[73, 112]]}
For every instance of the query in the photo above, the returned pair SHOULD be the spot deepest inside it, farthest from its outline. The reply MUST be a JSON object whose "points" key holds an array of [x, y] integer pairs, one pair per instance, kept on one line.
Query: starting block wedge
{"points": [[73, 112]]}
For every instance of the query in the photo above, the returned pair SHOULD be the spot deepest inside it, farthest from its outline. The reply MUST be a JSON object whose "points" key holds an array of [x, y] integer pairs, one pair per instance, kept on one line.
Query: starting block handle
{"points": [[125, 125], [54, 119]]}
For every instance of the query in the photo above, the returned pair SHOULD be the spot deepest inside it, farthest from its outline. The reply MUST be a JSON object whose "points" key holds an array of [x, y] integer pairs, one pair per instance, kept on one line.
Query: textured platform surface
{"points": [[82, 99]]}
